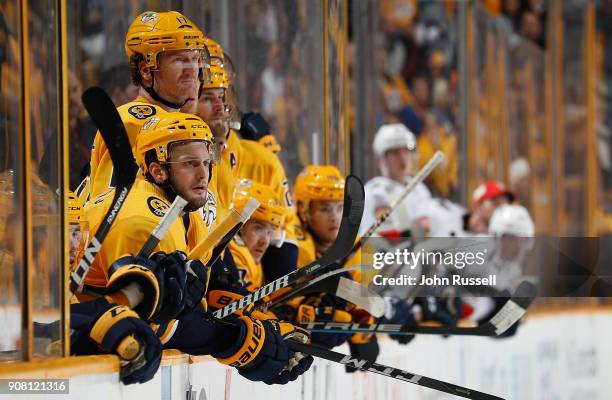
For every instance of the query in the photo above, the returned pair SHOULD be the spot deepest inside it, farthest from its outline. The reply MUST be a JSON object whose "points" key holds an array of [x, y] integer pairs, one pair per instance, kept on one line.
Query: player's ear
{"points": [[145, 71], [302, 210], [158, 172]]}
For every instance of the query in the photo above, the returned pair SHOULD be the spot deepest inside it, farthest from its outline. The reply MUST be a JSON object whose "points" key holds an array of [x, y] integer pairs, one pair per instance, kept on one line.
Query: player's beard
{"points": [[194, 202]]}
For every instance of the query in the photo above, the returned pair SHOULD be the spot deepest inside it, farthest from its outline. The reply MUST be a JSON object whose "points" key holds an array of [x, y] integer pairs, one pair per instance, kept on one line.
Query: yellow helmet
{"points": [[270, 208], [76, 215], [215, 51], [78, 237], [218, 78], [158, 133], [319, 182], [152, 32]]}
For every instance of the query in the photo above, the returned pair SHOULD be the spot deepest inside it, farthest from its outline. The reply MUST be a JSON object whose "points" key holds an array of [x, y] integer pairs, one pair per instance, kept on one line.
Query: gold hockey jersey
{"points": [[134, 115], [144, 207], [261, 165], [251, 274]]}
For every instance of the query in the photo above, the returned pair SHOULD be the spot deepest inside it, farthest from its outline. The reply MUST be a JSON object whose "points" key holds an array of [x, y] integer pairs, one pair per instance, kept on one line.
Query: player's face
{"points": [[510, 247], [189, 169], [324, 219], [212, 109], [76, 243], [256, 236], [401, 163], [176, 77]]}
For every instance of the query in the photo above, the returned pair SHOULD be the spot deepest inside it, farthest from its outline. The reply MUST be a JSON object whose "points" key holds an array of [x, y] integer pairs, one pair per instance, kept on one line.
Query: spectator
{"points": [[116, 81], [272, 80], [512, 10], [414, 115], [531, 28], [442, 180]]}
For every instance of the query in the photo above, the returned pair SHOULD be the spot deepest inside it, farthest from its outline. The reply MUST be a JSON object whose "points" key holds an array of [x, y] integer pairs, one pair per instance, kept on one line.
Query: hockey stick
{"points": [[104, 114], [351, 218], [437, 158], [512, 311], [224, 232], [332, 282], [391, 372], [162, 227]]}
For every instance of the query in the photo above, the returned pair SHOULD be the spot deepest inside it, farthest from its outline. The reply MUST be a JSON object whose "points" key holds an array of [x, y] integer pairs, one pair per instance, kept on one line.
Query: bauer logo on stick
{"points": [[157, 206], [142, 111]]}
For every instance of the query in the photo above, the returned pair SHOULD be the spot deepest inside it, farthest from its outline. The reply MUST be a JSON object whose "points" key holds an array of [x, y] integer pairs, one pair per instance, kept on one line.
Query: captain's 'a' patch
{"points": [[157, 206], [142, 111]]}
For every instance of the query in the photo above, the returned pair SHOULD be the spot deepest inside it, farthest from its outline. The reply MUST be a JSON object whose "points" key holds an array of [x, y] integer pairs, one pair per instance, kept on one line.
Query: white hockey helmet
{"points": [[511, 219], [393, 136]]}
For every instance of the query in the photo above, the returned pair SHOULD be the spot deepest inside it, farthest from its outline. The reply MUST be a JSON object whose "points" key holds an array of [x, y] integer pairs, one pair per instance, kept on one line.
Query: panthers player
{"points": [[254, 237], [175, 157], [395, 149], [168, 59]]}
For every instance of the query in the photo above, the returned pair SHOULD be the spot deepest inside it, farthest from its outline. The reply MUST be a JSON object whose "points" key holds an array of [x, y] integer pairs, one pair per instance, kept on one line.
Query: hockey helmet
{"points": [[152, 33], [79, 229], [393, 136], [270, 208], [159, 134], [511, 219], [489, 190], [215, 50], [319, 182]]}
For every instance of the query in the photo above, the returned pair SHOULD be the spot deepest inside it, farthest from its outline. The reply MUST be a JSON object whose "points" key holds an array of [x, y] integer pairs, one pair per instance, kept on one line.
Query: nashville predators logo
{"points": [[142, 111], [157, 206], [148, 16], [209, 211]]}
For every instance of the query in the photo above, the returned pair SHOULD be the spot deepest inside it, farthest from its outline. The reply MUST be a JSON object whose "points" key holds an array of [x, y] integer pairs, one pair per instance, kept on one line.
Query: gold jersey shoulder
{"points": [[220, 189], [261, 165], [251, 274], [307, 251], [143, 209], [134, 115]]}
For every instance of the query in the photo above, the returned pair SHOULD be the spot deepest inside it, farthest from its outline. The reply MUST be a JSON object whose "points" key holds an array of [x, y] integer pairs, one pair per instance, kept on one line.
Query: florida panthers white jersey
{"points": [[444, 217], [381, 192]]}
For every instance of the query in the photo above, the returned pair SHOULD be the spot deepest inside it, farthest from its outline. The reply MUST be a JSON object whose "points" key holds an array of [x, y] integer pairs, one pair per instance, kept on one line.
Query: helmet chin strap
{"points": [[155, 96]]}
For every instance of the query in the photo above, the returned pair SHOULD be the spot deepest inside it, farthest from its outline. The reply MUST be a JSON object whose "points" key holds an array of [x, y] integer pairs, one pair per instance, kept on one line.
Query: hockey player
{"points": [[168, 59], [174, 153], [485, 199], [395, 149], [254, 237], [245, 159], [319, 194], [512, 229], [99, 326]]}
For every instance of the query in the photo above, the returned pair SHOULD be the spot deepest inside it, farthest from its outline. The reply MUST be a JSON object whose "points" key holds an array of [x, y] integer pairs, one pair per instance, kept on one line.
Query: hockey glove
{"points": [[172, 277], [446, 310], [397, 311], [119, 330], [363, 351], [261, 353], [325, 308]]}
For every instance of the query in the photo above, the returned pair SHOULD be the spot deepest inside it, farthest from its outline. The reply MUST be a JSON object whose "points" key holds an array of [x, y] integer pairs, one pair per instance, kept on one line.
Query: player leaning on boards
{"points": [[253, 239], [174, 154], [319, 194], [246, 159], [101, 326], [169, 60]]}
